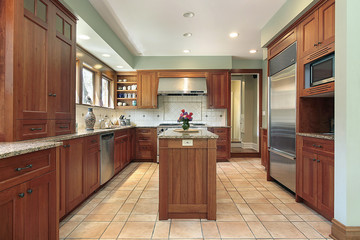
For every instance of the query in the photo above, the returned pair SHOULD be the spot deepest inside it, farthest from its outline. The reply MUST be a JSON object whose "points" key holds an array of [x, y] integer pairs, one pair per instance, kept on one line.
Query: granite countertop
{"points": [[326, 136], [203, 133], [17, 148]]}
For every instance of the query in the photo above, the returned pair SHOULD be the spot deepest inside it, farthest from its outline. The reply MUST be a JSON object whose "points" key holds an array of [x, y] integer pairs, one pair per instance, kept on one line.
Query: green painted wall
{"points": [[246, 64], [284, 17], [347, 112]]}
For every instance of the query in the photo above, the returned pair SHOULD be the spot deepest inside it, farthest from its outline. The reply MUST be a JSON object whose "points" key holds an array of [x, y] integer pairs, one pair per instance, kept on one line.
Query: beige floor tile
{"points": [[307, 230], [226, 208], [185, 230], [324, 228], [229, 218], [250, 218], [113, 230], [126, 208], [77, 218], [121, 217], [258, 230], [283, 230], [150, 194], [312, 218], [67, 228], [137, 230], [99, 218], [283, 208], [294, 218], [161, 230], [234, 230], [272, 218], [210, 230], [263, 208], [106, 208], [122, 194], [244, 209], [146, 208], [300, 208], [89, 230], [142, 218], [87, 209]]}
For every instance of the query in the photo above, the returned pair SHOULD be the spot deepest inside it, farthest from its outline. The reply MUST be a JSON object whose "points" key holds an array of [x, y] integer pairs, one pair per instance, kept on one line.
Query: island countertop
{"points": [[202, 133]]}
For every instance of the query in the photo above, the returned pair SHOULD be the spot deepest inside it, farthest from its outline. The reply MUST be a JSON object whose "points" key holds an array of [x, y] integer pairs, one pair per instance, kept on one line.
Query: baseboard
{"points": [[341, 232]]}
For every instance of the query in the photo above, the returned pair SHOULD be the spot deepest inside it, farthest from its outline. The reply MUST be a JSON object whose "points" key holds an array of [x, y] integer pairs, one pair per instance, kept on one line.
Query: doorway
{"points": [[245, 110]]}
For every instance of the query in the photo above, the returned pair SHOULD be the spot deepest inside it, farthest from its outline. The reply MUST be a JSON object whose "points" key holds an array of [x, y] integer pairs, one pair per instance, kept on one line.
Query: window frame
{"points": [[84, 66], [109, 81]]}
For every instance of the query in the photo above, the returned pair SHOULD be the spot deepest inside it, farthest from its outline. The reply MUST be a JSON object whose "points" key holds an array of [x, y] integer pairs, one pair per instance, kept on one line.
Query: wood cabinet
{"points": [[222, 143], [218, 89], [40, 68], [317, 30], [92, 155], [264, 148], [28, 199], [282, 43], [315, 174], [121, 151], [146, 144], [125, 86], [147, 89]]}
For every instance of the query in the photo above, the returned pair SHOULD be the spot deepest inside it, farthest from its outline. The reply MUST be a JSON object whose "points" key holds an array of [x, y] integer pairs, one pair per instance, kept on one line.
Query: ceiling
{"points": [[156, 27]]}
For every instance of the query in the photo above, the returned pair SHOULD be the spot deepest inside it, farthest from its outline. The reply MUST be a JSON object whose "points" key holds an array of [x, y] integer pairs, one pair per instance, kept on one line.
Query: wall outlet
{"points": [[187, 143]]}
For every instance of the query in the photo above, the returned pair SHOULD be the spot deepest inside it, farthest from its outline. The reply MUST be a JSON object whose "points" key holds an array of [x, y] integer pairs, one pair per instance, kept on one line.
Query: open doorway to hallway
{"points": [[244, 113]]}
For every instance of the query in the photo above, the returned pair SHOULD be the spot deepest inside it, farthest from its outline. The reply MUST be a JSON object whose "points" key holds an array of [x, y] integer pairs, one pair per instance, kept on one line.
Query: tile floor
{"points": [[248, 207]]}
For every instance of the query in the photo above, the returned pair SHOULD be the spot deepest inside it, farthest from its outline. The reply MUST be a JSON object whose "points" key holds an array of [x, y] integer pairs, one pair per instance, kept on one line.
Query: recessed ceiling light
{"points": [[233, 35], [189, 14], [106, 55], [187, 34], [186, 51], [79, 54], [97, 66], [83, 37], [253, 51], [120, 66]]}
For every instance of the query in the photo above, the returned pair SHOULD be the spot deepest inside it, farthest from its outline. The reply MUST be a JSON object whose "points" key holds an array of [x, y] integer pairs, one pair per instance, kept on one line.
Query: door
{"points": [[218, 90], [325, 191], [147, 87], [309, 36], [309, 177], [31, 74], [92, 170], [41, 220], [75, 174], [327, 23], [12, 216]]}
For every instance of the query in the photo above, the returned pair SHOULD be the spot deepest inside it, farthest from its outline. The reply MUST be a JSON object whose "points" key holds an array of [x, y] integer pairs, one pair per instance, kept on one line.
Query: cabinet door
{"points": [[309, 177], [31, 63], [41, 219], [62, 66], [62, 179], [75, 174], [326, 184], [92, 170], [327, 23], [12, 217], [147, 90], [309, 39], [218, 90], [132, 141], [117, 154]]}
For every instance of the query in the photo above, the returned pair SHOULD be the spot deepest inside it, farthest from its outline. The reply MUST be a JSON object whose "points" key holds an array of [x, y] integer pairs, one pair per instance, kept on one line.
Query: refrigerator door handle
{"points": [[282, 154]]}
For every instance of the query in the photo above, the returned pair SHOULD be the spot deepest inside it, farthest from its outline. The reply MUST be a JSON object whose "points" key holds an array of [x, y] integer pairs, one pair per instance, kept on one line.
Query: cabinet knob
{"points": [[29, 191], [21, 195], [319, 43], [50, 94], [54, 95], [315, 44], [314, 159], [318, 160]]}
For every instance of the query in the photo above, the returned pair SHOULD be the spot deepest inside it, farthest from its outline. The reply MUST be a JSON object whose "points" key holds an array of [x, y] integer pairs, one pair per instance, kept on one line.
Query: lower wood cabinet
{"points": [[122, 150], [92, 169], [315, 174], [28, 210], [222, 143], [146, 144], [264, 147]]}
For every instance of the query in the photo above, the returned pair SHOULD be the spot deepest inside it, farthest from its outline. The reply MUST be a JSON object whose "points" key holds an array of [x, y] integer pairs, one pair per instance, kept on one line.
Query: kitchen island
{"points": [[187, 175]]}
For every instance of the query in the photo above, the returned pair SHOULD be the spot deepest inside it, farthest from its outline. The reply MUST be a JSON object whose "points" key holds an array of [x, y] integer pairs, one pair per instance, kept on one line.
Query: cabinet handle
{"points": [[29, 191], [21, 195], [66, 146], [27, 166], [315, 44], [314, 159], [318, 160], [93, 141], [50, 94], [54, 95], [63, 127], [319, 43], [35, 129], [317, 146]]}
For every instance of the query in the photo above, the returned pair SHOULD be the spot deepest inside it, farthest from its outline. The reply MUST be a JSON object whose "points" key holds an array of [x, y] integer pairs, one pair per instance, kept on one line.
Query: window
{"points": [[88, 77], [105, 90]]}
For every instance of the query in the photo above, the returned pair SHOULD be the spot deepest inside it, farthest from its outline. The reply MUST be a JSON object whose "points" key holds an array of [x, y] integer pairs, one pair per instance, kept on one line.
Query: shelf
{"points": [[126, 98], [134, 91], [126, 83], [127, 107]]}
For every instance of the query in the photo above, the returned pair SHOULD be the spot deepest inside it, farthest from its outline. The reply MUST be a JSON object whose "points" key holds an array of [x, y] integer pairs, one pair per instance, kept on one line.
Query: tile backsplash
{"points": [[168, 110]]}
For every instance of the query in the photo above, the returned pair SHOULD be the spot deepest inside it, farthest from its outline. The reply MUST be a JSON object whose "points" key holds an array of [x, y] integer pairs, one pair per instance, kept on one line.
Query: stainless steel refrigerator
{"points": [[282, 117]]}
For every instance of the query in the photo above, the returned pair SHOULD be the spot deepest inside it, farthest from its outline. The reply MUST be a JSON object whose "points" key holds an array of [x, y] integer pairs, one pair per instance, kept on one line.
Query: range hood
{"points": [[182, 86]]}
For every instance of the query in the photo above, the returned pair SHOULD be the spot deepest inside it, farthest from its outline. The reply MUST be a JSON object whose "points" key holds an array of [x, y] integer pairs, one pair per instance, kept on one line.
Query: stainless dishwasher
{"points": [[107, 157]]}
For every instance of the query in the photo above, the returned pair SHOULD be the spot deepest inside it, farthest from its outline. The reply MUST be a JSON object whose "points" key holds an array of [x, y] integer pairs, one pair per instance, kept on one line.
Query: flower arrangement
{"points": [[185, 118]]}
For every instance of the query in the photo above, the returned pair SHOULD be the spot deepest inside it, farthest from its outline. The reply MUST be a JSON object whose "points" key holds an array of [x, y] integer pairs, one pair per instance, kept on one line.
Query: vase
{"points": [[186, 125], [90, 119]]}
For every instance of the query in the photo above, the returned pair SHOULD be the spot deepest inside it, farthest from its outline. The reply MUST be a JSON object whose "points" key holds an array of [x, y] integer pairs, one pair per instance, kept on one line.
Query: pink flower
{"points": [[191, 113], [182, 110]]}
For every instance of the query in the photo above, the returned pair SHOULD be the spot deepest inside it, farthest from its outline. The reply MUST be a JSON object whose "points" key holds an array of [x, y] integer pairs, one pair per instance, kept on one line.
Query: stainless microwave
{"points": [[320, 71]]}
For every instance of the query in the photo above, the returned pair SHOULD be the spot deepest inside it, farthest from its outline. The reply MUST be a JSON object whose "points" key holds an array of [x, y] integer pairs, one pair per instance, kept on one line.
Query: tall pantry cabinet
{"points": [[37, 69]]}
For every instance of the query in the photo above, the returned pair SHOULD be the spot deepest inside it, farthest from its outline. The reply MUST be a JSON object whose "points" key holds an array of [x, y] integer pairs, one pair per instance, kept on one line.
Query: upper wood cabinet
{"points": [[39, 67], [282, 43], [218, 89], [317, 30], [147, 89]]}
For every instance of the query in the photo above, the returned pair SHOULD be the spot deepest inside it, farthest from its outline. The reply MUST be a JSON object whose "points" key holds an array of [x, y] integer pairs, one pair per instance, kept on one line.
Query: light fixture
{"points": [[83, 37], [188, 34], [97, 66], [189, 14], [106, 55], [79, 54], [233, 35], [253, 51], [120, 66], [186, 51]]}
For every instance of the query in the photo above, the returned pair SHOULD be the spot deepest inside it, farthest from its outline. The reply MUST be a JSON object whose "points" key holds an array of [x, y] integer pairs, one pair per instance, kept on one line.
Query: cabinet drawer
{"points": [[29, 129], [318, 144], [18, 169], [220, 131], [121, 133], [62, 127], [92, 141], [144, 152]]}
